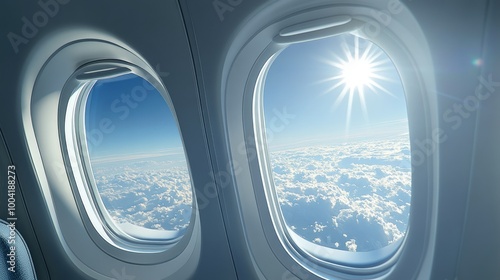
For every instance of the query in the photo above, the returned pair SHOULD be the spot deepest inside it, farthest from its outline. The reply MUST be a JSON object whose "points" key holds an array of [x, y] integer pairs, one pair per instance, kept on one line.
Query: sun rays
{"points": [[359, 70]]}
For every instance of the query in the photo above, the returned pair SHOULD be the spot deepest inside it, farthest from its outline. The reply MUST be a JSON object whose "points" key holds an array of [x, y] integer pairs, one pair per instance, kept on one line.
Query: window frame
{"points": [[313, 252], [405, 44], [79, 87], [44, 100]]}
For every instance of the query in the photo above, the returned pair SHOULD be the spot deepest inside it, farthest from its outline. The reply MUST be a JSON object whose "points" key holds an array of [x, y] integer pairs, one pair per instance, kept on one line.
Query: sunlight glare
{"points": [[358, 69], [357, 73]]}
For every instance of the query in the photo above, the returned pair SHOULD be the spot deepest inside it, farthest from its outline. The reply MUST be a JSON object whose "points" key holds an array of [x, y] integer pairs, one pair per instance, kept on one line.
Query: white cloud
{"points": [[361, 190], [152, 193], [333, 195], [351, 245]]}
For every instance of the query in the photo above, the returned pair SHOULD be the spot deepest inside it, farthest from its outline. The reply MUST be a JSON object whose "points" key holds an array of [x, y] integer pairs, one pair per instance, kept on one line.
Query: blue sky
{"points": [[297, 80], [137, 119]]}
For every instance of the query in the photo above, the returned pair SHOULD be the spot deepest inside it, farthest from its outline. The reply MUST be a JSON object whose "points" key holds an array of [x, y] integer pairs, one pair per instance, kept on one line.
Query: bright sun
{"points": [[357, 73], [359, 69]]}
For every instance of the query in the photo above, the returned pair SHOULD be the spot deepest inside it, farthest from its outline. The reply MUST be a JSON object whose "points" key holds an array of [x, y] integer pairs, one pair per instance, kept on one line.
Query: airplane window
{"points": [[338, 144], [140, 173]]}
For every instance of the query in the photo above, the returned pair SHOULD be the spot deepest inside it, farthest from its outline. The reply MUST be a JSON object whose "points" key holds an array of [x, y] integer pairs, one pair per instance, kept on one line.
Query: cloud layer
{"points": [[354, 197], [154, 193]]}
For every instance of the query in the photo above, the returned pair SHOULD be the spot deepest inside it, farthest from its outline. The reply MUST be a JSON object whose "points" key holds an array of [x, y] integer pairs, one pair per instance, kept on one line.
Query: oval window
{"points": [[135, 158], [338, 145]]}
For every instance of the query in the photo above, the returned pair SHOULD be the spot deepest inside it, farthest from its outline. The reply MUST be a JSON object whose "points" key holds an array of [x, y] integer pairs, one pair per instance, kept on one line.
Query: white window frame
{"points": [[309, 250], [78, 89], [274, 253], [46, 91]]}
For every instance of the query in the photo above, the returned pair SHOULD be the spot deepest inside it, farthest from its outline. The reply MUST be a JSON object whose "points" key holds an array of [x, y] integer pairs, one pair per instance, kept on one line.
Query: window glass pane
{"points": [[137, 158], [338, 142]]}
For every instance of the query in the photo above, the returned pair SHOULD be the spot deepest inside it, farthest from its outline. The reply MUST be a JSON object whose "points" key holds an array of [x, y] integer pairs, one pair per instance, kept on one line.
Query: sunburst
{"points": [[359, 69]]}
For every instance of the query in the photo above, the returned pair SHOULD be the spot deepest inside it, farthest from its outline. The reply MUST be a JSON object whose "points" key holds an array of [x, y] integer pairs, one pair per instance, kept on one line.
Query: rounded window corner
{"points": [[407, 62], [56, 114], [358, 65], [123, 222]]}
